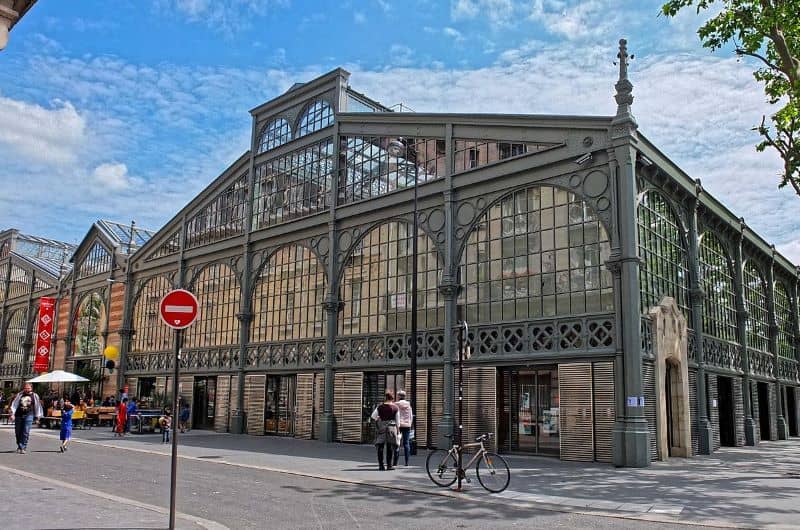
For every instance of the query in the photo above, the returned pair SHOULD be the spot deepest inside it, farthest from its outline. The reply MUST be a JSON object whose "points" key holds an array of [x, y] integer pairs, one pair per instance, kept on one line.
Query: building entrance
{"points": [[204, 399], [791, 410], [727, 434], [763, 410], [374, 389], [529, 410], [279, 411]]}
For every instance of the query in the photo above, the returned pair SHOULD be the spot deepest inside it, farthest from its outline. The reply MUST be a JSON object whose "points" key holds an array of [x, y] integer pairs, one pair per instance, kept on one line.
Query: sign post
{"points": [[178, 310]]}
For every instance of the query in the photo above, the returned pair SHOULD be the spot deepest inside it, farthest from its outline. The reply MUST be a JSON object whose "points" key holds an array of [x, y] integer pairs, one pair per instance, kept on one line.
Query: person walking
{"points": [[66, 424], [165, 422], [386, 415], [122, 418], [405, 419], [133, 410], [183, 418], [25, 408]]}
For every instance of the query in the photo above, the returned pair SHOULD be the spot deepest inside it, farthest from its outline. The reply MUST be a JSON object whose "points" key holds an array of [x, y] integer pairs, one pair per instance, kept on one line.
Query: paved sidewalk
{"points": [[742, 487]]}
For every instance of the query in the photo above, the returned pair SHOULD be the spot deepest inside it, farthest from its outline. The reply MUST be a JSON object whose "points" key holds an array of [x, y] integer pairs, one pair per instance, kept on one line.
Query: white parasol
{"points": [[58, 376]]}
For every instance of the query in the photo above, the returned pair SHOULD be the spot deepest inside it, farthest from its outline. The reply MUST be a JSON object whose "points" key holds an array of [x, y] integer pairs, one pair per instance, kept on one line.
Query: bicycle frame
{"points": [[475, 457]]}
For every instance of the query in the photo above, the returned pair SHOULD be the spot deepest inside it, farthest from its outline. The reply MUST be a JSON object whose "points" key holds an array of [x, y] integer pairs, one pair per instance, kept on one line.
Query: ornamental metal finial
{"points": [[624, 87]]}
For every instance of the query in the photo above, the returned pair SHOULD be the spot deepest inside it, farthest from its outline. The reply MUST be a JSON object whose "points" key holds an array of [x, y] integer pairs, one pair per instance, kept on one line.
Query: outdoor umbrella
{"points": [[58, 376]]}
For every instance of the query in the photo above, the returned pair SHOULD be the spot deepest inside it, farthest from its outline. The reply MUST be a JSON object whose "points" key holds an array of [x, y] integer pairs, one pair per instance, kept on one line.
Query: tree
{"points": [[769, 31]]}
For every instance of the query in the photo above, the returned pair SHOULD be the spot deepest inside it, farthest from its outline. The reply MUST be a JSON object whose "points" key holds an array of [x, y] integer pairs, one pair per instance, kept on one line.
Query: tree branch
{"points": [[741, 51]]}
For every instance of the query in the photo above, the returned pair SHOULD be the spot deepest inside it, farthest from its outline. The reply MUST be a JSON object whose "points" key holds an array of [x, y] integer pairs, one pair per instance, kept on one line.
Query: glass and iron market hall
{"points": [[617, 312]]}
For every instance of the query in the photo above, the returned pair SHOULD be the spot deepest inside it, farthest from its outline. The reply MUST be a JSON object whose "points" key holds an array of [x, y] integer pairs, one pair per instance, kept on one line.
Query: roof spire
{"points": [[624, 95]]}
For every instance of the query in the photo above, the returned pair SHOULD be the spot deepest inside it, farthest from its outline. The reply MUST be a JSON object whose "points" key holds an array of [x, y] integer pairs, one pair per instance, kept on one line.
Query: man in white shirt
{"points": [[24, 409]]}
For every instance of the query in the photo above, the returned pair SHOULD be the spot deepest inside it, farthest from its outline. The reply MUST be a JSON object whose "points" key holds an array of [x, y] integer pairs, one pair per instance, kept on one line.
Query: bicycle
{"points": [[492, 470]]}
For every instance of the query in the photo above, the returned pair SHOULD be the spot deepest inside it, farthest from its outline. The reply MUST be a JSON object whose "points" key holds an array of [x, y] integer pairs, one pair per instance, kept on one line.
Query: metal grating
{"points": [[649, 389], [319, 403], [693, 414], [712, 388], [604, 410], [255, 387], [577, 432], [347, 405], [772, 392], [738, 404], [305, 406], [436, 405]]}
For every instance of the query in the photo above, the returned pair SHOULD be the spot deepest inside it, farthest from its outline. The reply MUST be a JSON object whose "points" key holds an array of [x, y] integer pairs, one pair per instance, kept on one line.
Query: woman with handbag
{"points": [[386, 414]]}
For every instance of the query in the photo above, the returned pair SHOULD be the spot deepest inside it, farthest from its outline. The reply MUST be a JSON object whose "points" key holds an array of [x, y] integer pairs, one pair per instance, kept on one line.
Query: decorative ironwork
{"points": [[761, 363], [722, 354], [788, 370], [662, 248], [391, 348], [98, 260], [171, 246], [537, 252], [691, 345], [646, 331]]}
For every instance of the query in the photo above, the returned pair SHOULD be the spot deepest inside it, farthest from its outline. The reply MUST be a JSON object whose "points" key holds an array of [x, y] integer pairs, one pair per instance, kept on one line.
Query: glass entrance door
{"points": [[279, 410], [531, 406], [204, 400]]}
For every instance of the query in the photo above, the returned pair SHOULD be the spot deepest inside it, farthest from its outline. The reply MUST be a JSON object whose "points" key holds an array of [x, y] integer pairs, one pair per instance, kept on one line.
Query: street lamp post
{"points": [[399, 148]]}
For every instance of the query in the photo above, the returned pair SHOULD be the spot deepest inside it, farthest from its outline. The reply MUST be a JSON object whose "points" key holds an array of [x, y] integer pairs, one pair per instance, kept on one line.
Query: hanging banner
{"points": [[44, 334]]}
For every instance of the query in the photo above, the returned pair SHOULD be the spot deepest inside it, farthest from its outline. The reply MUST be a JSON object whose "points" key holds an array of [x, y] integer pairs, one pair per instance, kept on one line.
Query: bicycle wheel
{"points": [[493, 472], [441, 466]]}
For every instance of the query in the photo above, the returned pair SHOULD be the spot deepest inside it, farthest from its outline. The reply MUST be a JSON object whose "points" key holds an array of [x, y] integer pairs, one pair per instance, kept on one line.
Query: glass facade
{"points": [[719, 304], [98, 260], [274, 134], [288, 296], [376, 282], [469, 154], [755, 297], [171, 246], [294, 185], [20, 282], [15, 336], [218, 293], [150, 333], [371, 170], [538, 252], [662, 248], [223, 217], [90, 323], [317, 115], [785, 320]]}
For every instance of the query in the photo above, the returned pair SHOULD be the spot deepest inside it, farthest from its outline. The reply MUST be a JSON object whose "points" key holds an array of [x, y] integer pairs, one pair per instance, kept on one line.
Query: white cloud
{"points": [[49, 136], [113, 176], [223, 16], [498, 13], [453, 33]]}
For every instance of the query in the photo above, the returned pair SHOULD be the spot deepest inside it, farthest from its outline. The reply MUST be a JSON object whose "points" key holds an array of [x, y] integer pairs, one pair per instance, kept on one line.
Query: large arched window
{"points": [[755, 297], [288, 296], [15, 336], [90, 323], [150, 333], [376, 283], [662, 249], [719, 305], [784, 320], [537, 252], [217, 290], [275, 133], [317, 115], [96, 261]]}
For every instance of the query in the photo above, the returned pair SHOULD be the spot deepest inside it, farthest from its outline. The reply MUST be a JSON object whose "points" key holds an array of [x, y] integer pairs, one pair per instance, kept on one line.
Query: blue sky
{"points": [[127, 109]]}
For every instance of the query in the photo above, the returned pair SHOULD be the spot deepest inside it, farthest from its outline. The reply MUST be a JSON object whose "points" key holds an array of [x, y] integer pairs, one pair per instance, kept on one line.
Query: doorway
{"points": [[727, 419], [791, 410], [204, 399], [279, 410], [529, 413], [763, 410], [374, 390]]}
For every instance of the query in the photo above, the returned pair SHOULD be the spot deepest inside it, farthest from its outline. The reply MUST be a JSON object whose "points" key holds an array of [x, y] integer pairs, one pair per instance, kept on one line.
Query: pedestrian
{"points": [[25, 408], [133, 410], [165, 422], [66, 424], [183, 422], [405, 419], [122, 418], [386, 415]]}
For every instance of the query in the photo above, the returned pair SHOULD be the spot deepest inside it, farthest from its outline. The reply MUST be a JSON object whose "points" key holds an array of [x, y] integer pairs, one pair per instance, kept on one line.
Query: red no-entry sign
{"points": [[178, 309]]}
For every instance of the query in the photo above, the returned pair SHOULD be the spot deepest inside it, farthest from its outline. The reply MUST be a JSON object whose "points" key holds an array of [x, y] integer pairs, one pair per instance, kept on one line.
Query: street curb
{"points": [[448, 493], [204, 523]]}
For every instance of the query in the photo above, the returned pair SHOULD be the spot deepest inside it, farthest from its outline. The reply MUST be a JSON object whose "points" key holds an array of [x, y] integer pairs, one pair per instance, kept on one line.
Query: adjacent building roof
{"points": [[127, 238]]}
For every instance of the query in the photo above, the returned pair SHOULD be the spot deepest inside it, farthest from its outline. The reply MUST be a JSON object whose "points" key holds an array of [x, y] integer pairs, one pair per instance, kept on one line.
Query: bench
{"points": [[52, 419], [5, 416]]}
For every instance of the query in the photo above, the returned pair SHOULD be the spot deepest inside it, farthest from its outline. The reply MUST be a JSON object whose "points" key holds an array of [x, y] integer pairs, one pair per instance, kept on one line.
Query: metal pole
{"points": [[174, 469], [462, 331], [414, 305]]}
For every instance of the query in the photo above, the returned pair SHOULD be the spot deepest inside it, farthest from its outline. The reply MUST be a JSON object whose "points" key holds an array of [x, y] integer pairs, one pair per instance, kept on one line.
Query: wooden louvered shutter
{"points": [[604, 411], [255, 387], [480, 397], [319, 402], [422, 404], [347, 405], [577, 429], [650, 403], [305, 406], [222, 409], [436, 405]]}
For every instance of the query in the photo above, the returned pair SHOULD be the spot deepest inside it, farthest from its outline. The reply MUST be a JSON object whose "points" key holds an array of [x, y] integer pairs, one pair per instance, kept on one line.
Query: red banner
{"points": [[44, 334]]}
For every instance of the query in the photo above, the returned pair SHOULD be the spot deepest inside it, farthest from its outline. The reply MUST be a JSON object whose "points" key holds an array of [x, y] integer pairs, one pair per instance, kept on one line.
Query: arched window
{"points": [[275, 133], [755, 297], [537, 252], [150, 333], [96, 261], [719, 305], [784, 320], [288, 296], [90, 323], [376, 283], [317, 115], [15, 336], [217, 290], [662, 248]]}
